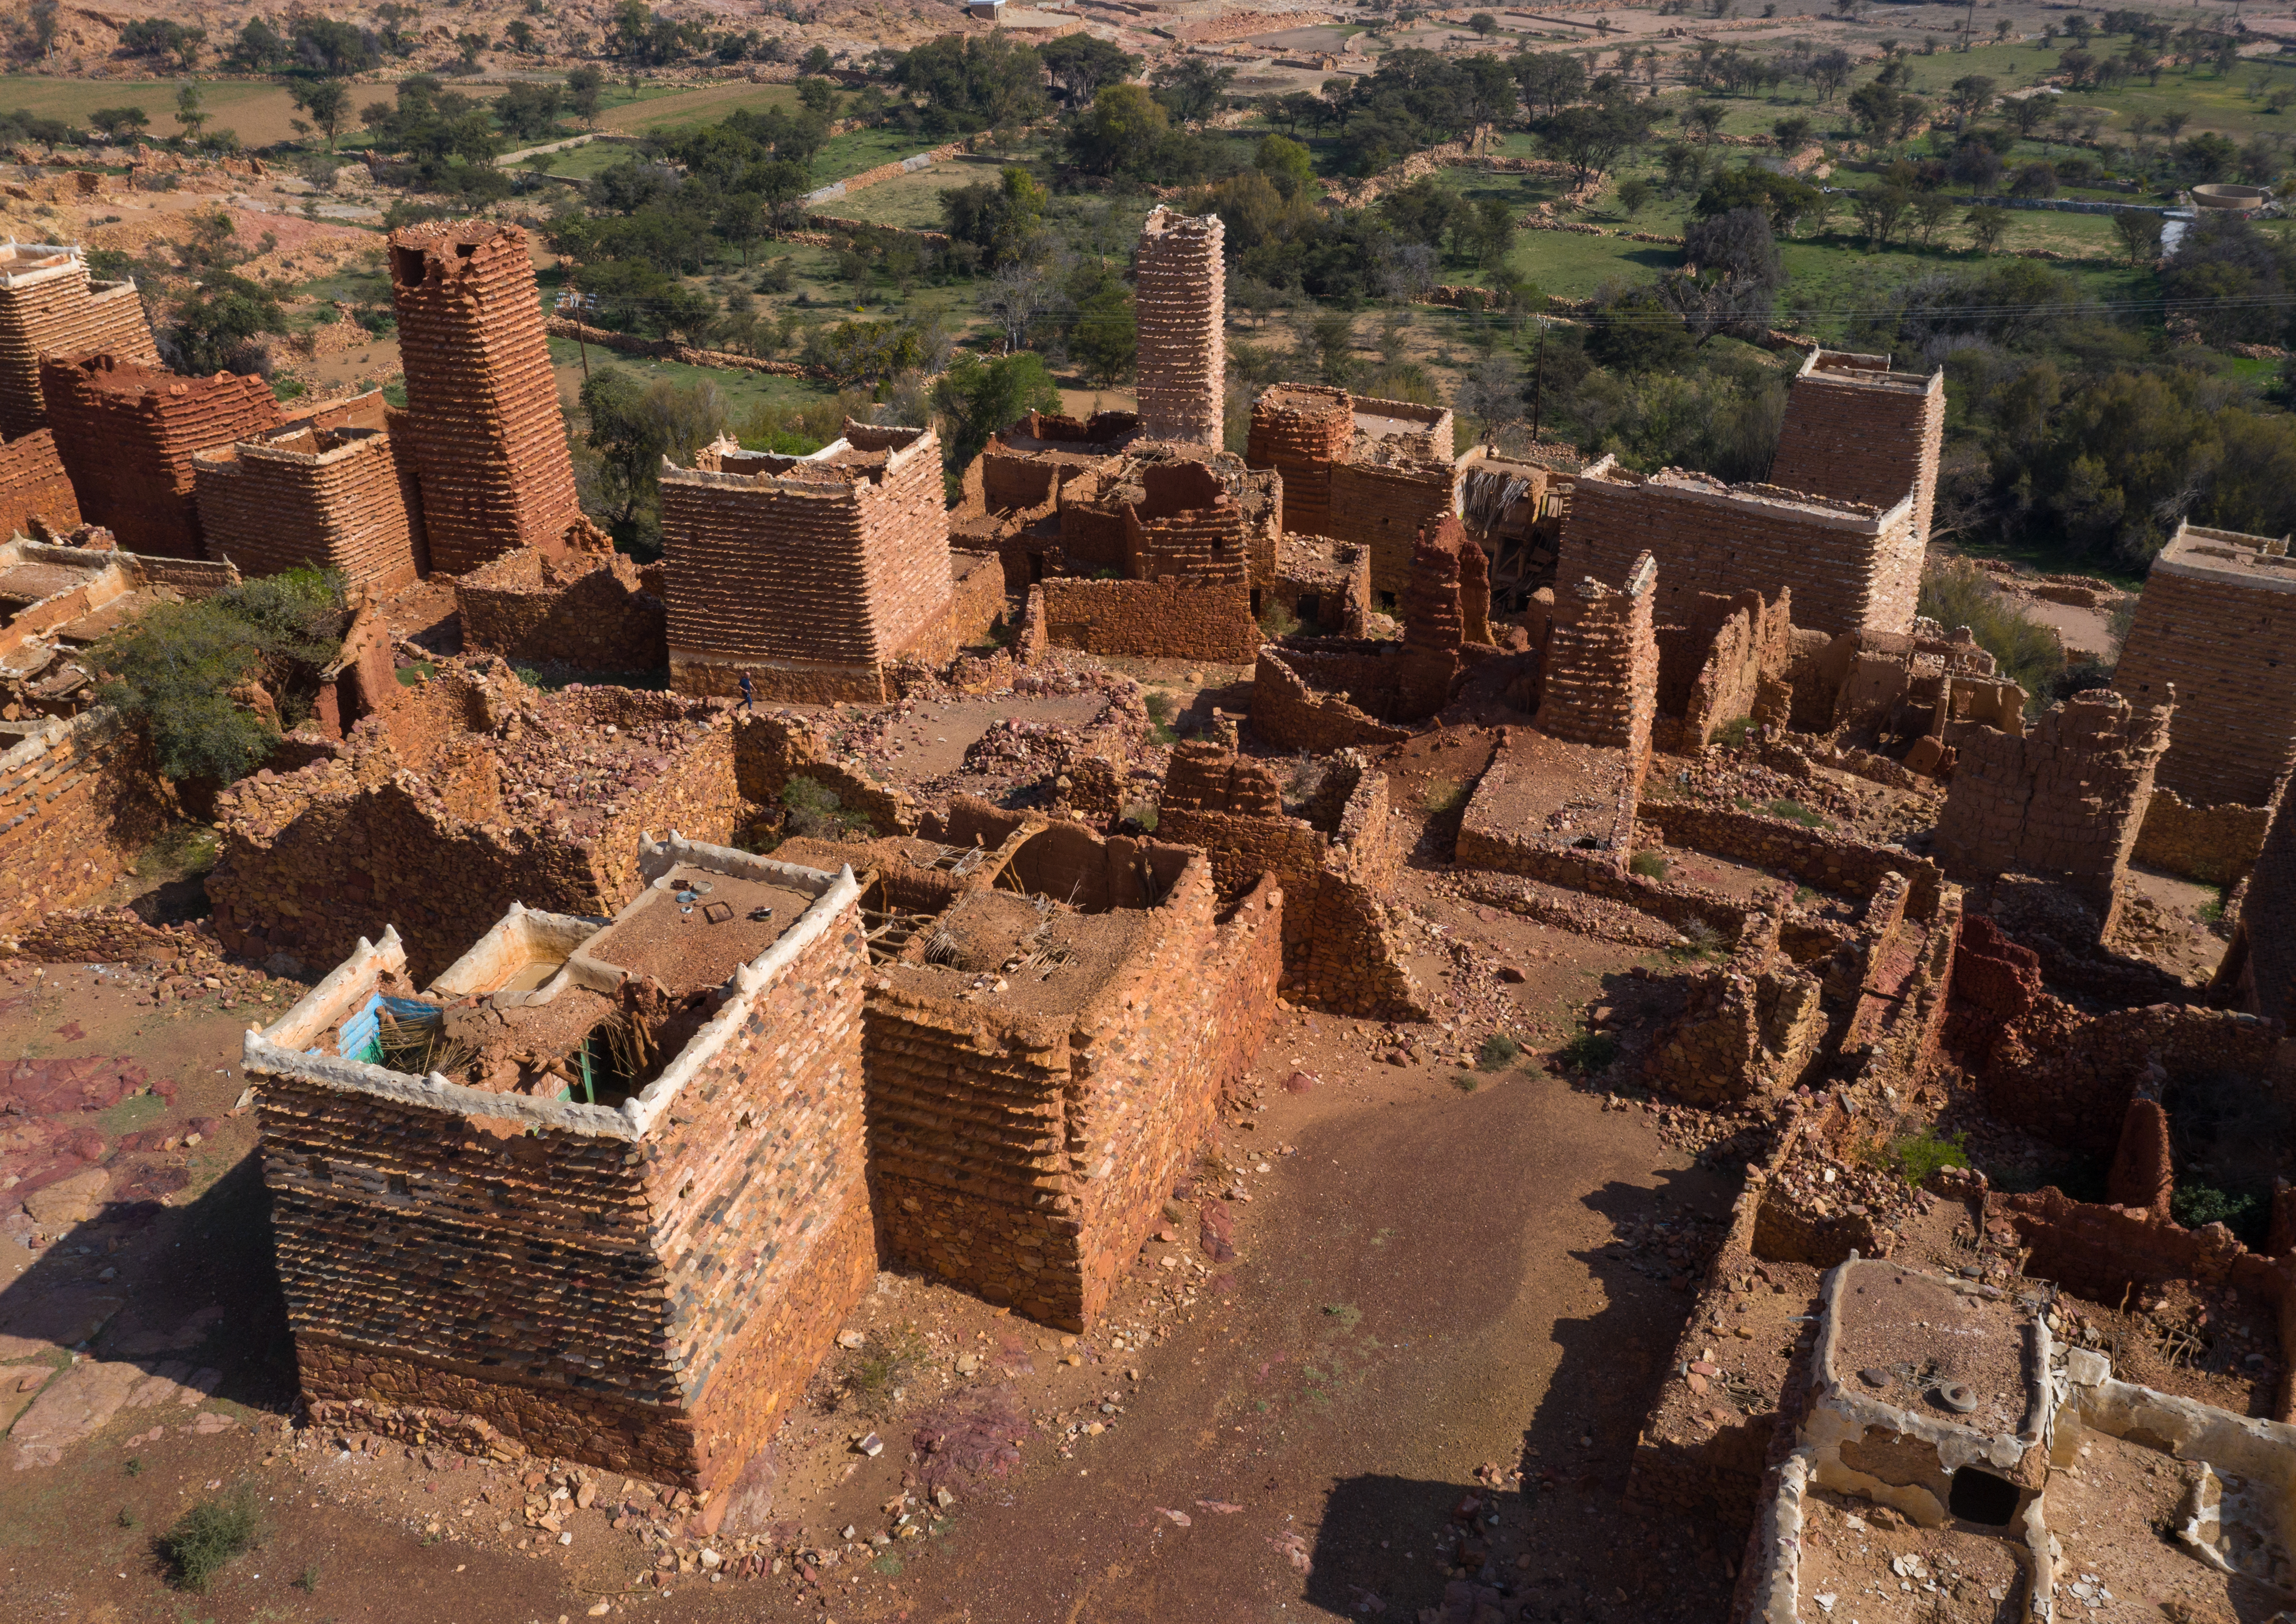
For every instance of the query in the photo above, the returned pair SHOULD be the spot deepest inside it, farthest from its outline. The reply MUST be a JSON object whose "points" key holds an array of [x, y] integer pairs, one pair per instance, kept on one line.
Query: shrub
{"points": [[1160, 712], [1700, 941], [815, 810], [2195, 1206], [1733, 733], [1917, 1156], [1499, 1051], [212, 1534], [1649, 865], [1588, 1053], [2027, 652], [1443, 795], [1795, 812]]}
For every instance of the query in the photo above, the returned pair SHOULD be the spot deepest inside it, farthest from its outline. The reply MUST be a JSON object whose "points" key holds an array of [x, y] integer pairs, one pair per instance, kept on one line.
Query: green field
{"points": [[256, 110], [661, 108]]}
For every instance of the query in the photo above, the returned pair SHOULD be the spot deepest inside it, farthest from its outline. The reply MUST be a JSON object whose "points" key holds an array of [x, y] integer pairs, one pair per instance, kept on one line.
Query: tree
{"points": [[1491, 395], [1877, 109], [1484, 24], [1080, 64], [1591, 139], [1190, 87], [1634, 191], [2026, 113], [583, 87], [119, 123], [1106, 340], [976, 398], [519, 35], [329, 103], [1124, 128], [2139, 230], [1881, 210], [530, 112], [187, 672], [1791, 131], [1730, 275], [1986, 224], [1286, 164], [633, 426], [260, 47], [2035, 179], [1015, 296], [1931, 211], [1970, 95], [1548, 79], [191, 109]]}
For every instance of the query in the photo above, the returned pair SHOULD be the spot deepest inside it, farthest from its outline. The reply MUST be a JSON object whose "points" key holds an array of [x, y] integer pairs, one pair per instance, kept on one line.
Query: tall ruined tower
{"points": [[1182, 302], [49, 306], [483, 423]]}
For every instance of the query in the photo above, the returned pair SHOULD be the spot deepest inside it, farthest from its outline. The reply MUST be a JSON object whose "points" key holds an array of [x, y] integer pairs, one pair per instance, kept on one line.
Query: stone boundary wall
{"points": [[108, 936], [1162, 619], [33, 484], [667, 349], [78, 800], [595, 612]]}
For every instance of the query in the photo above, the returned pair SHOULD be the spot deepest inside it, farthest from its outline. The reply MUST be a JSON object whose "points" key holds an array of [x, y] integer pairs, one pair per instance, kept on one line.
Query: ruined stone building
{"points": [[1514, 504], [2218, 623], [1181, 301], [129, 433], [599, 1190], [482, 429], [1052, 1015], [1009, 498], [1374, 473], [472, 792], [48, 306], [2062, 803], [1857, 431], [325, 489], [1188, 591], [589, 607], [1853, 567], [813, 575], [58, 597]]}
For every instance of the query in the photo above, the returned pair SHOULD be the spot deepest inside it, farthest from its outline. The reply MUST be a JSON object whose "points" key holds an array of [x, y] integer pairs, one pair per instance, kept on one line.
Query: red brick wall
{"points": [[33, 483], [482, 427], [128, 434]]}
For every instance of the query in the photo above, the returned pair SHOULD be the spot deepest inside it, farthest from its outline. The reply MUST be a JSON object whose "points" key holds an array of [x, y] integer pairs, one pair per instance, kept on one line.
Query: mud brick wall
{"points": [[2229, 648], [129, 433], [1850, 569], [33, 483], [482, 428], [1180, 298], [1300, 430], [2215, 844], [1863, 437], [2062, 803], [812, 579], [1287, 713], [587, 610], [78, 801], [1167, 618], [1739, 642], [1027, 1158], [2069, 1076], [331, 499], [1384, 509], [1600, 672], [49, 306], [578, 1291]]}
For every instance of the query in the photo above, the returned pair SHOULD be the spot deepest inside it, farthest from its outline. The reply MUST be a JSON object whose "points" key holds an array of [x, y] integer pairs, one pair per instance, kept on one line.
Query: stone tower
{"points": [[1181, 297], [49, 306], [482, 426]]}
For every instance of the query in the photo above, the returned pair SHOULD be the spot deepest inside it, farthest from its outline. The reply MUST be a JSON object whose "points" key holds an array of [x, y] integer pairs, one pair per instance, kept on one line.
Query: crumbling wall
{"points": [[482, 426], [331, 497], [1164, 619], [1856, 430], [78, 800], [49, 306], [1743, 646], [1324, 582], [1288, 712], [1181, 301], [1600, 674], [2259, 968], [1852, 566], [128, 434], [33, 484], [1384, 507], [977, 600], [812, 574], [2062, 803], [770, 748], [589, 609], [1826, 858], [1747, 1029], [2215, 844], [2218, 624]]}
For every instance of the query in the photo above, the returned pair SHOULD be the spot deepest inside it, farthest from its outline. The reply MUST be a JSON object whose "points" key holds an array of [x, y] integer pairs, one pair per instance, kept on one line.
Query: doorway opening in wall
{"points": [[1255, 603], [1978, 1496], [608, 1064], [1387, 600]]}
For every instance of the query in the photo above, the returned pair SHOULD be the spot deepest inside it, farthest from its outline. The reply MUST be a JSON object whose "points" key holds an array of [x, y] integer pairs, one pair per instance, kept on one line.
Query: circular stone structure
{"points": [[2222, 195]]}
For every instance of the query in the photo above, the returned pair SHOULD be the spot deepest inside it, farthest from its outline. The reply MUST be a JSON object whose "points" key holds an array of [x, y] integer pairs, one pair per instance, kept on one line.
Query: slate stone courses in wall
{"points": [[33, 484], [1181, 301], [1164, 619], [49, 306], [78, 801], [330, 499], [589, 610], [2229, 649], [1865, 436]]}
